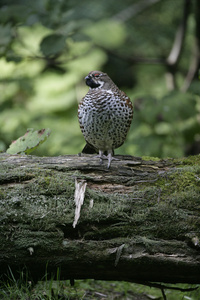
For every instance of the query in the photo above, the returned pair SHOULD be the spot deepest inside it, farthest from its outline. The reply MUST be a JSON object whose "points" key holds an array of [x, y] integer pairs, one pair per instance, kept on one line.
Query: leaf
{"points": [[79, 37], [5, 34], [29, 141], [12, 56], [52, 44], [102, 31]]}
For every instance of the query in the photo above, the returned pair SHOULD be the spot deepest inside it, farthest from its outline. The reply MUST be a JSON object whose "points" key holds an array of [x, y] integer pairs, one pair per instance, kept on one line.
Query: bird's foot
{"points": [[101, 156], [110, 158]]}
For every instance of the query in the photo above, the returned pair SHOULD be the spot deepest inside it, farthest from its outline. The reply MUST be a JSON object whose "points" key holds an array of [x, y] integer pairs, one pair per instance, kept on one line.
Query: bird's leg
{"points": [[110, 157], [101, 156]]}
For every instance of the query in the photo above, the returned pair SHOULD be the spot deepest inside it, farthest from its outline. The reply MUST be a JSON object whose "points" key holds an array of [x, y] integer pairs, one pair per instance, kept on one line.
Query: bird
{"points": [[105, 115]]}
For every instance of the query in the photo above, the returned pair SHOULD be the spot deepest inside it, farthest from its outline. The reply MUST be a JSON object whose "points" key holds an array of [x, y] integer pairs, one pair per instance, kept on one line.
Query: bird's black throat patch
{"points": [[91, 83]]}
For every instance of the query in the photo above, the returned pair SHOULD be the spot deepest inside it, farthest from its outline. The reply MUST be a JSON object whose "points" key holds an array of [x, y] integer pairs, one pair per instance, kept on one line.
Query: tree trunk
{"points": [[139, 220]]}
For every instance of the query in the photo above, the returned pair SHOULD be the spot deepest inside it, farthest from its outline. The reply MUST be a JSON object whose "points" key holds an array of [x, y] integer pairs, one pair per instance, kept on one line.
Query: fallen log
{"points": [[138, 221]]}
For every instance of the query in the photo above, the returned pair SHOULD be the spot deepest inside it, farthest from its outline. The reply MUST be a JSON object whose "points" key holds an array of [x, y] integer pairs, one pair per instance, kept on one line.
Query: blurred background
{"points": [[150, 48]]}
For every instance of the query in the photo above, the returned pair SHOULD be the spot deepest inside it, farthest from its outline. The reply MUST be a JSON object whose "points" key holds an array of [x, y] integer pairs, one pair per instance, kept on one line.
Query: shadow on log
{"points": [[139, 220]]}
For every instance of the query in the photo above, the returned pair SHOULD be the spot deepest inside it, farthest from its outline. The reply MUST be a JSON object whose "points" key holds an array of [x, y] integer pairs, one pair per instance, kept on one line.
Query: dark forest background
{"points": [[150, 48]]}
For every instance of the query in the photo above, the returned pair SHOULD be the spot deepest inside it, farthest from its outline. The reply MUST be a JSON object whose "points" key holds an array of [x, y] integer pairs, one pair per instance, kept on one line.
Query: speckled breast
{"points": [[105, 118]]}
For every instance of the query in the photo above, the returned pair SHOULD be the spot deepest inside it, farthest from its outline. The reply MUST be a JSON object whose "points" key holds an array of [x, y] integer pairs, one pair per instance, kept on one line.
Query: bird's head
{"points": [[97, 79]]}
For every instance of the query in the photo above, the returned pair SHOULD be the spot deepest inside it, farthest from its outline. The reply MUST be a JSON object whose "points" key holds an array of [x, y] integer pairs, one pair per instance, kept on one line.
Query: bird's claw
{"points": [[109, 157]]}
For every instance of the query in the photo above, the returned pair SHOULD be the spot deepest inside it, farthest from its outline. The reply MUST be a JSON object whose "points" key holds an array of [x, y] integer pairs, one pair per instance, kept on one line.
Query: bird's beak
{"points": [[87, 77]]}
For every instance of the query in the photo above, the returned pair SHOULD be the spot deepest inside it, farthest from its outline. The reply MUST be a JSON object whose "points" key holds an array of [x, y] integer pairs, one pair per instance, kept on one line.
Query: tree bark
{"points": [[139, 220]]}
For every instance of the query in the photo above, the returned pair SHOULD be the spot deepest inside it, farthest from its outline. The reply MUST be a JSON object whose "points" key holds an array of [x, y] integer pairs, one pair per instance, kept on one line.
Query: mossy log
{"points": [[140, 219]]}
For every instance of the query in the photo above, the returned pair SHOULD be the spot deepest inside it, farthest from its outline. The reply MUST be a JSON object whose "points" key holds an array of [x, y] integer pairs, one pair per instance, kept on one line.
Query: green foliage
{"points": [[107, 29], [87, 289], [166, 126], [29, 141], [48, 47], [52, 44]]}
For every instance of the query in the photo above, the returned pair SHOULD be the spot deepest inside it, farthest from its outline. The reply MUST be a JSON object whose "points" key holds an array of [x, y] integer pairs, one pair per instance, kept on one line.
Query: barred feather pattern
{"points": [[105, 117]]}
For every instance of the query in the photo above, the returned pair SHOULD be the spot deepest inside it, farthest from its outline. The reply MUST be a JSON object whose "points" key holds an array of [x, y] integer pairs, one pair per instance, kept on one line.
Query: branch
{"points": [[195, 59], [175, 52], [194, 64], [134, 59], [167, 287], [179, 37], [138, 214], [133, 10], [197, 19]]}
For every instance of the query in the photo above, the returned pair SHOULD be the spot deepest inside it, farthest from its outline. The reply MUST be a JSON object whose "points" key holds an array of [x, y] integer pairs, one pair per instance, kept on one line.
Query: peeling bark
{"points": [[139, 221]]}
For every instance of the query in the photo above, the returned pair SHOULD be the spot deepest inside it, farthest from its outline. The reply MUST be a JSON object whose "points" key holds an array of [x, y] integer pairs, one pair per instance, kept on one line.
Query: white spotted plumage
{"points": [[105, 115]]}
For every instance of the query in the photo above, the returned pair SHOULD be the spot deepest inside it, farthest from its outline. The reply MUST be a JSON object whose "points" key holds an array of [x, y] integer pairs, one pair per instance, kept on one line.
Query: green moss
{"points": [[191, 160], [40, 239], [182, 180], [2, 194], [149, 158], [157, 203], [179, 180]]}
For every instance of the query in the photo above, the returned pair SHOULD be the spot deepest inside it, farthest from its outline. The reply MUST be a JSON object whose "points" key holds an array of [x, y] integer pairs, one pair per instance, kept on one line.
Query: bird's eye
{"points": [[96, 75]]}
